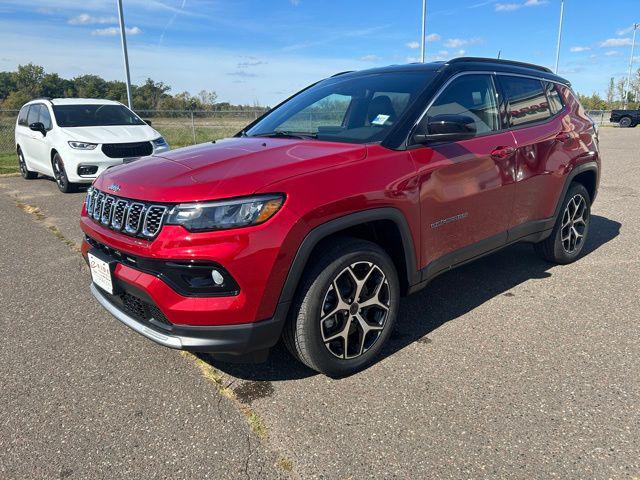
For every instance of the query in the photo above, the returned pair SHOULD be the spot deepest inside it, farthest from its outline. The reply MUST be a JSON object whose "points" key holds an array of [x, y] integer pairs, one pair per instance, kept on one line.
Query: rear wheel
{"points": [[569, 234], [345, 309], [626, 122], [60, 175], [24, 170]]}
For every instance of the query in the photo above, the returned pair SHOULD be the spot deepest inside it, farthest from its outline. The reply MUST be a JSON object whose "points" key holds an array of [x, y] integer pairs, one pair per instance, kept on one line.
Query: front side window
{"points": [[94, 115], [526, 100], [472, 96], [34, 114], [350, 109]]}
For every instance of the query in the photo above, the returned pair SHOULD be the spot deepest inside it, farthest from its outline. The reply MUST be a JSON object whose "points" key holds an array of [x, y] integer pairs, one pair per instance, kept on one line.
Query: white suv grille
{"points": [[134, 218]]}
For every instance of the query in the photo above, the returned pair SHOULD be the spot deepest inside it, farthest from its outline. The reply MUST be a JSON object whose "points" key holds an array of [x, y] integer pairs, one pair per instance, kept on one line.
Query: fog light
{"points": [[217, 277], [87, 170]]}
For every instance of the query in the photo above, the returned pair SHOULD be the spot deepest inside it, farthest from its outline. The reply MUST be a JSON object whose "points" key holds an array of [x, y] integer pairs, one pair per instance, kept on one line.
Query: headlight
{"points": [[83, 145], [159, 142], [241, 212]]}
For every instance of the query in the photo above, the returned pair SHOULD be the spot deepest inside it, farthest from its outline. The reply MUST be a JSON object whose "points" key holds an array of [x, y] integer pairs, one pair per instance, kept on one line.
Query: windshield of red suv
{"points": [[94, 115], [349, 108]]}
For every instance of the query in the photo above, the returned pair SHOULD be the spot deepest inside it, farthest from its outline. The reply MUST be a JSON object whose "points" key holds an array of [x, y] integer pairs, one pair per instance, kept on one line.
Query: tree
{"points": [[7, 84], [611, 93], [90, 86], [149, 95], [207, 99], [28, 79], [621, 87]]}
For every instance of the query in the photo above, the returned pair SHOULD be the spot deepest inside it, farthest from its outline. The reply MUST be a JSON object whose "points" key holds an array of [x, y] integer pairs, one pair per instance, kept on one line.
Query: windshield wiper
{"points": [[286, 134]]}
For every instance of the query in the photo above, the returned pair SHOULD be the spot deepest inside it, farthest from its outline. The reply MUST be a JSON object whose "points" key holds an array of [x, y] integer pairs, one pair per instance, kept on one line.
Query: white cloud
{"points": [[413, 45], [616, 42], [111, 31], [295, 3], [510, 7], [369, 58], [579, 49], [433, 37], [507, 7], [624, 31], [612, 53], [461, 42], [86, 19], [461, 53], [413, 59]]}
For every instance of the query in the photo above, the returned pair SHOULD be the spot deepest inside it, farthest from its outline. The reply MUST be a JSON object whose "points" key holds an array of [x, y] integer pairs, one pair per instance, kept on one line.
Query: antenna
{"points": [[499, 53]]}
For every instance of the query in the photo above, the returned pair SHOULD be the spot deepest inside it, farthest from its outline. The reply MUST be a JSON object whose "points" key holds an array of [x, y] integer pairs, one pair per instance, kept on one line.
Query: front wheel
{"points": [[60, 175], [345, 309], [569, 234]]}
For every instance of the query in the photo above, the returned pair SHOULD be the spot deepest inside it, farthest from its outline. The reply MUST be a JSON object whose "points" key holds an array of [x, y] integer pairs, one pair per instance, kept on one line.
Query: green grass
{"points": [[8, 163]]}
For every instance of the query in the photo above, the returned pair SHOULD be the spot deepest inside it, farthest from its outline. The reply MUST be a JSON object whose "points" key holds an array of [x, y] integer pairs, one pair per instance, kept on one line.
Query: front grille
{"points": [[125, 150], [133, 218]]}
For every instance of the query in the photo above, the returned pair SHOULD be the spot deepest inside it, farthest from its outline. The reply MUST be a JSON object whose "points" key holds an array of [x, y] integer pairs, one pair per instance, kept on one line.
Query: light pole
{"points": [[123, 37], [423, 46], [636, 26], [559, 35]]}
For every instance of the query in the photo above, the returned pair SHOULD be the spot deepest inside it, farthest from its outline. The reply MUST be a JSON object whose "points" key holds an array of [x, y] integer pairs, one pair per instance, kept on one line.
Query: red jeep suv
{"points": [[312, 222]]}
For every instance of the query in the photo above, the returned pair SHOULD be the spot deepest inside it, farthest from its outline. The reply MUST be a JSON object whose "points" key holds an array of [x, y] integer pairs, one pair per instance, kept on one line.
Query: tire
{"points": [[60, 175], [626, 122], [348, 340], [24, 170], [569, 234]]}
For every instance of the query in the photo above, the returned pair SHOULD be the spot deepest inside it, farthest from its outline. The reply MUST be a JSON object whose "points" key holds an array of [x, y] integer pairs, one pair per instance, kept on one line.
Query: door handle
{"points": [[563, 137], [502, 153]]}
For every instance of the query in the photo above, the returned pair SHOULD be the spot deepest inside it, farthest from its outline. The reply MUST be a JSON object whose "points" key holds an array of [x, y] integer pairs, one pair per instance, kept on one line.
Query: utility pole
{"points": [[423, 46], [123, 37], [559, 35], [636, 26]]}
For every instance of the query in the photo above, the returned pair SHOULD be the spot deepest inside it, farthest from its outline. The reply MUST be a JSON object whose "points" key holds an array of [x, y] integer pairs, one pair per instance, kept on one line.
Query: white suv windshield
{"points": [[351, 109], [94, 115]]}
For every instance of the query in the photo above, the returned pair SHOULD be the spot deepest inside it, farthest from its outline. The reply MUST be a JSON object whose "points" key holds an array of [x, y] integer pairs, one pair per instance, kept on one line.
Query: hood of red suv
{"points": [[228, 168]]}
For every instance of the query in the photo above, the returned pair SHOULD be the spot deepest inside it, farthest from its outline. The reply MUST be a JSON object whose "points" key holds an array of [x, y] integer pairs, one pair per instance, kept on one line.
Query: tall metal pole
{"points": [[423, 47], [123, 37], [559, 35], [633, 46]]}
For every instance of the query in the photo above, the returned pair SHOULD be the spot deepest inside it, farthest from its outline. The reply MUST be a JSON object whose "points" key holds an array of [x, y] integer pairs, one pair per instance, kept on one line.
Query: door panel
{"points": [[466, 187]]}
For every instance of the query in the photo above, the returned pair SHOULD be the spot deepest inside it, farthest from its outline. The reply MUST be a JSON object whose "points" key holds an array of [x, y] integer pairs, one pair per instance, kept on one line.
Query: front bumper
{"points": [[226, 339]]}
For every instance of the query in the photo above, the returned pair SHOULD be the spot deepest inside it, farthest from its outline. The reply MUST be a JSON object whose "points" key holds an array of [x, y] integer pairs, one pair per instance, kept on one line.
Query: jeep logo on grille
{"points": [[114, 187]]}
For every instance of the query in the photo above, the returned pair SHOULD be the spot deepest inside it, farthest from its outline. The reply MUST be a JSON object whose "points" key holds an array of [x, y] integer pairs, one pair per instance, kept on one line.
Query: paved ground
{"points": [[508, 367]]}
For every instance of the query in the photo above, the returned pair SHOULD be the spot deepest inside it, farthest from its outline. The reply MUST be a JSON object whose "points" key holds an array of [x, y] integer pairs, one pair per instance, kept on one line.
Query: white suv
{"points": [[75, 139]]}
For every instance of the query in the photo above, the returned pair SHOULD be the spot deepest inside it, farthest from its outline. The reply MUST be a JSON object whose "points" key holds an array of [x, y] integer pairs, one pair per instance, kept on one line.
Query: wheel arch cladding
{"points": [[386, 227]]}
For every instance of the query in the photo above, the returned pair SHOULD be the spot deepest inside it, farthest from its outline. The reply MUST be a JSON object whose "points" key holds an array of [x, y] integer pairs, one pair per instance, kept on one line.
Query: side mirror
{"points": [[446, 128], [38, 127], [148, 122]]}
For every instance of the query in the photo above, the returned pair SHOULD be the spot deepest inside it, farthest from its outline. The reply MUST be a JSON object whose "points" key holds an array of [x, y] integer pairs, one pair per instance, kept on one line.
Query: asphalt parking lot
{"points": [[505, 368]]}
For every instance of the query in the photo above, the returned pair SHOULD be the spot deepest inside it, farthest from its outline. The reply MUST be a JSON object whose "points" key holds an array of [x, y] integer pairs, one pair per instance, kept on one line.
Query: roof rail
{"points": [[41, 98], [501, 61], [341, 73]]}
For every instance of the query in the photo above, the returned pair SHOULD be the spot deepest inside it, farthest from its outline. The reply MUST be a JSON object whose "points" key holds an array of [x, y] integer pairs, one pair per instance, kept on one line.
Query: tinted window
{"points": [[22, 116], [45, 118], [94, 115], [352, 109], [553, 95], [473, 96], [526, 99], [34, 114]]}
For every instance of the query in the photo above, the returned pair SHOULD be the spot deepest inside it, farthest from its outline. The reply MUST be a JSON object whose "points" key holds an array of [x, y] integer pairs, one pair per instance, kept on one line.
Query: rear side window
{"points": [[527, 101], [34, 114], [45, 117], [22, 116], [553, 95], [473, 96]]}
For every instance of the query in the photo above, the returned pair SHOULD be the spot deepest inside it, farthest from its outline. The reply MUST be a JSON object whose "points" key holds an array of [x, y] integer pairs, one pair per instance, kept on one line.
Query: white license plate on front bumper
{"points": [[100, 273]]}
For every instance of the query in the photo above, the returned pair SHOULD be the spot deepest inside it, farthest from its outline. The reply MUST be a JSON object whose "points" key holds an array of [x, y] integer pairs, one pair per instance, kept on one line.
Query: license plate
{"points": [[100, 273]]}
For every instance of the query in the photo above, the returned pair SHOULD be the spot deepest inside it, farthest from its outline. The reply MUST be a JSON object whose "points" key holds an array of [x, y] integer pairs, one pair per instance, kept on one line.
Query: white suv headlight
{"points": [[82, 145], [240, 212], [159, 142]]}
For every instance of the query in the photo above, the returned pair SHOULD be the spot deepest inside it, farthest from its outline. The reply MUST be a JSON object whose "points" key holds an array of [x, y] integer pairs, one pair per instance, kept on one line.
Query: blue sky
{"points": [[263, 50]]}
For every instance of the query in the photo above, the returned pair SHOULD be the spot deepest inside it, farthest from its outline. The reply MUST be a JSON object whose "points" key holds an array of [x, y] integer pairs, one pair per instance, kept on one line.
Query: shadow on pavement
{"points": [[447, 297]]}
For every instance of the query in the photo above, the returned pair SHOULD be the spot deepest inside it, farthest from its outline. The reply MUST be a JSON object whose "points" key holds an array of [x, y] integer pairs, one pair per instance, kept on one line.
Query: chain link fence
{"points": [[601, 117], [179, 127]]}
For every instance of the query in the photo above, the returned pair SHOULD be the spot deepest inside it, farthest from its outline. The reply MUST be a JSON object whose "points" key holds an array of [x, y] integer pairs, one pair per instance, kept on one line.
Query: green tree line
{"points": [[616, 91], [31, 81]]}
